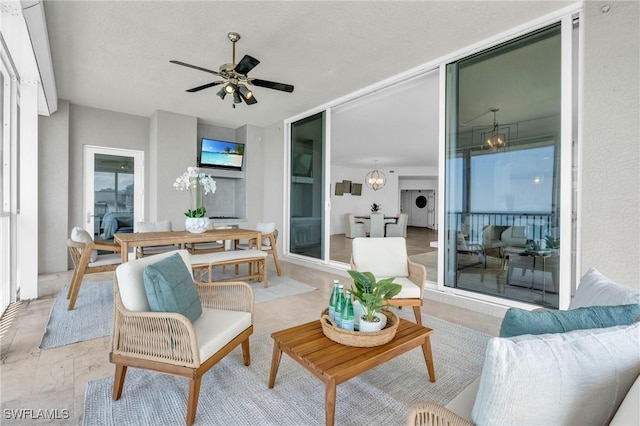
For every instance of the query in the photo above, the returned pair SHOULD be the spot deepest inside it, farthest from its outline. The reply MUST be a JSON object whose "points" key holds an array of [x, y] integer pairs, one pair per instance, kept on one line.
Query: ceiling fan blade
{"points": [[270, 85], [204, 86], [246, 64], [195, 67]]}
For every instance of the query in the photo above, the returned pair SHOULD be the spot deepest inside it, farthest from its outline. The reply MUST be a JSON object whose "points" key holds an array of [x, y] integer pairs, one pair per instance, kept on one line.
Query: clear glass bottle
{"points": [[347, 317], [339, 306], [333, 300]]}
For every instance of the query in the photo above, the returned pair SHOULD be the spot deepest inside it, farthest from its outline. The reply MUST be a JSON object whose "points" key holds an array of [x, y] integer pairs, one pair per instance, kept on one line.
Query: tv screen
{"points": [[221, 154]]}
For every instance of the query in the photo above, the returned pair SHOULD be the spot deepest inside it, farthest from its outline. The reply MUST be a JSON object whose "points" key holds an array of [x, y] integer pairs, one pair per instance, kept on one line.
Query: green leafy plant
{"points": [[552, 242], [373, 295], [375, 207]]}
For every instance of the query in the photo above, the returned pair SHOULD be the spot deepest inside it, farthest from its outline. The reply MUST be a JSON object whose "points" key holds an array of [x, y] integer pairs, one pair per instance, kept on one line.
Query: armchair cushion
{"points": [[216, 327], [409, 289], [519, 321], [81, 236], [596, 289], [170, 288], [383, 257], [579, 377]]}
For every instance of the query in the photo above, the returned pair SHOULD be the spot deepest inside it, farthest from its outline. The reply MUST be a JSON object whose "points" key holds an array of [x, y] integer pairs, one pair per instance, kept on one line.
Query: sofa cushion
{"points": [[383, 257], [595, 289], [169, 287], [519, 321], [579, 377], [79, 235]]}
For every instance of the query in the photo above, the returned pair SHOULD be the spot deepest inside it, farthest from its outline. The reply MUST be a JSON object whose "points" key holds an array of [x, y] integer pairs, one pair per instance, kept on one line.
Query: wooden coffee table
{"points": [[334, 363]]}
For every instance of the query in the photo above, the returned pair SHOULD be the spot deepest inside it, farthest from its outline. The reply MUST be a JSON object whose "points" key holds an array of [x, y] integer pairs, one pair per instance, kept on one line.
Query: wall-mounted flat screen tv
{"points": [[221, 154]]}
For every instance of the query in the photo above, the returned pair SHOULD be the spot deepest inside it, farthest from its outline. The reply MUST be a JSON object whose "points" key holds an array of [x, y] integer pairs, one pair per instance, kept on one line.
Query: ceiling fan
{"points": [[234, 77]]}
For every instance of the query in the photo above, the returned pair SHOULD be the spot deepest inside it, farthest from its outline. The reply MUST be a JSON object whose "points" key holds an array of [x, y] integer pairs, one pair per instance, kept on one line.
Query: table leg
{"points": [[275, 363], [330, 403], [124, 252], [428, 357]]}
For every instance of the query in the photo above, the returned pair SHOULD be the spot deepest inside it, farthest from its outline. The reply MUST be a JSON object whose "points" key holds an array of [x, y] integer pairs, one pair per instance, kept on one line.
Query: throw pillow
{"points": [[595, 289], [170, 288], [579, 377], [81, 236], [519, 321]]}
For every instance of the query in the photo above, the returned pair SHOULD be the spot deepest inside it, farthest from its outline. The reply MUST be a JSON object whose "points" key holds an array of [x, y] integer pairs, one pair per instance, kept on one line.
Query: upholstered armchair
{"points": [[492, 242], [353, 229], [387, 257], [169, 342], [86, 260]]}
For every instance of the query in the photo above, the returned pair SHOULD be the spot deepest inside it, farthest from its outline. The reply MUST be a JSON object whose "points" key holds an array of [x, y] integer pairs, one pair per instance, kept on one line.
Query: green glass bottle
{"points": [[347, 317], [333, 300], [339, 306]]}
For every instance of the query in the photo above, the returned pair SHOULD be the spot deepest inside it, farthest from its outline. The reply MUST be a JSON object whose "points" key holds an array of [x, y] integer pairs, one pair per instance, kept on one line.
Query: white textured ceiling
{"points": [[115, 55]]}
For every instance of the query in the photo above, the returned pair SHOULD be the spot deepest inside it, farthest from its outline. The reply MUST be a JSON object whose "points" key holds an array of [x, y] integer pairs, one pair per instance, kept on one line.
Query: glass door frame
{"points": [[89, 153], [569, 220], [326, 226]]}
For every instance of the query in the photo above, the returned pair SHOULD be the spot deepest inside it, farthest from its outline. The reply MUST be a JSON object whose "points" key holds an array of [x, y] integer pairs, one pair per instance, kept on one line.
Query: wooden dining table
{"points": [[179, 238]]}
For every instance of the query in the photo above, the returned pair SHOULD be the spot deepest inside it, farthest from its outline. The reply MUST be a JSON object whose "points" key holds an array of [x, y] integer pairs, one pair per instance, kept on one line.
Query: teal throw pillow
{"points": [[170, 288], [519, 321]]}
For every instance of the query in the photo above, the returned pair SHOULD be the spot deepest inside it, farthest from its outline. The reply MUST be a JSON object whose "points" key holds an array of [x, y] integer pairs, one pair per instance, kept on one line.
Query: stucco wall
{"points": [[611, 143]]}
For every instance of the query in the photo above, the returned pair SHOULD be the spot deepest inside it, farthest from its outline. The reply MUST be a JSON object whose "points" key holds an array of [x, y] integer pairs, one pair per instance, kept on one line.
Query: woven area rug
{"points": [[90, 319], [232, 394], [93, 314]]}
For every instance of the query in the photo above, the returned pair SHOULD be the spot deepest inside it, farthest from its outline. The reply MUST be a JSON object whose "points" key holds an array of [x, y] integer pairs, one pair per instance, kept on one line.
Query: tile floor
{"points": [[57, 378]]}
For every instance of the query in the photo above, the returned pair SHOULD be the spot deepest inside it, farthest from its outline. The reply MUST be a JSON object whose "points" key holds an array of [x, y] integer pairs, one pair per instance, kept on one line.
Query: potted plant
{"points": [[198, 185], [375, 208], [372, 296]]}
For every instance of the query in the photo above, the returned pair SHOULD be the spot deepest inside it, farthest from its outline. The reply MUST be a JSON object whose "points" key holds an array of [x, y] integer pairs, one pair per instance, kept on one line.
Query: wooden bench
{"points": [[255, 259]]}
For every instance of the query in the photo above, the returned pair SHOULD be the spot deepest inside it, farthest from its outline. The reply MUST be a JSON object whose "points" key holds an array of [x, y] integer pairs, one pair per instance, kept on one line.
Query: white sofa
{"points": [[535, 380]]}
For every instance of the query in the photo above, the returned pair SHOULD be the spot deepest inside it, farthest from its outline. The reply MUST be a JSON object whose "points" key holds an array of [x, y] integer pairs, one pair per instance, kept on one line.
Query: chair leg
{"points": [[118, 381], [418, 314], [262, 270], [73, 280], [192, 400], [277, 261], [246, 353], [75, 289]]}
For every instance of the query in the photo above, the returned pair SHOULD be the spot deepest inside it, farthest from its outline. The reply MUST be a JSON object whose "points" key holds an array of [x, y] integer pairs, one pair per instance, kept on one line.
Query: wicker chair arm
{"points": [[156, 336], [417, 274], [105, 245], [432, 414], [230, 296]]}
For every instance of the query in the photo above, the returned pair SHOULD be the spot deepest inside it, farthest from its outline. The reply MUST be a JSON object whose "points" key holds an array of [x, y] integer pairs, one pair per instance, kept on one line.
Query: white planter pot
{"points": [[366, 326], [197, 225]]}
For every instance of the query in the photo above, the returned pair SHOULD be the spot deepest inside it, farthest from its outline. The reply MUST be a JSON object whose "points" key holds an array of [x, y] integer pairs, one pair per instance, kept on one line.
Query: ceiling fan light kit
{"points": [[234, 77]]}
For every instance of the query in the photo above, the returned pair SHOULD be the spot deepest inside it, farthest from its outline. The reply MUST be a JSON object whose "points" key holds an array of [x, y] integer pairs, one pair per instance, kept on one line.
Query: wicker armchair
{"points": [[433, 414], [168, 342], [81, 255], [387, 257]]}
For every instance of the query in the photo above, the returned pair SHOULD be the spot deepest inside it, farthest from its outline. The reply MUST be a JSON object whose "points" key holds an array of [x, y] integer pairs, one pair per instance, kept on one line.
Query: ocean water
{"points": [[222, 159]]}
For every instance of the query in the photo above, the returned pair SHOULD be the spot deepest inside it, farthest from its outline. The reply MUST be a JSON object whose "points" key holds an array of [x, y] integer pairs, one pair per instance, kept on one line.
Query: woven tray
{"points": [[358, 338]]}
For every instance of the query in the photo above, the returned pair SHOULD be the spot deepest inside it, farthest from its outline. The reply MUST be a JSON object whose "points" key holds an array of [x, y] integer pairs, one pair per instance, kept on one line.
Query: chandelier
{"points": [[494, 139], [375, 178]]}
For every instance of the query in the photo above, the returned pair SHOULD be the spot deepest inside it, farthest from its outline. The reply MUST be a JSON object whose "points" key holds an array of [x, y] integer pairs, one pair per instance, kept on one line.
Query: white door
{"points": [[113, 190], [431, 209]]}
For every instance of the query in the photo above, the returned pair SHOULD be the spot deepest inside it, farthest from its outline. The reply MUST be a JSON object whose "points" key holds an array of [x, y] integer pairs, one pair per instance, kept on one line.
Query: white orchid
{"points": [[198, 184]]}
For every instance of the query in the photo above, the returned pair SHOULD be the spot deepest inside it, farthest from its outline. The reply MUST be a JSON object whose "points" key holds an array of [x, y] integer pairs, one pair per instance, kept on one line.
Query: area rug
{"points": [[93, 313], [232, 394], [90, 319]]}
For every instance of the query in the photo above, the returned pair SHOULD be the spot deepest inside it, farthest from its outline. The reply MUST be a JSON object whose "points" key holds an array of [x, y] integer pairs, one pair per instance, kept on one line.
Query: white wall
{"points": [[53, 190], [610, 208]]}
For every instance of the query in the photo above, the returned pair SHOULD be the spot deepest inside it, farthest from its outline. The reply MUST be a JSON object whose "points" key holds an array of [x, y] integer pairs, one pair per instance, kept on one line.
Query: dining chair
{"points": [[353, 229], [161, 226], [397, 229], [86, 260], [269, 240]]}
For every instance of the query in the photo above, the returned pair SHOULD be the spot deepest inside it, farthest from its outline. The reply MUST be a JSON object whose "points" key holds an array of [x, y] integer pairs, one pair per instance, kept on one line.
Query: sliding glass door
{"points": [[503, 170], [307, 187]]}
